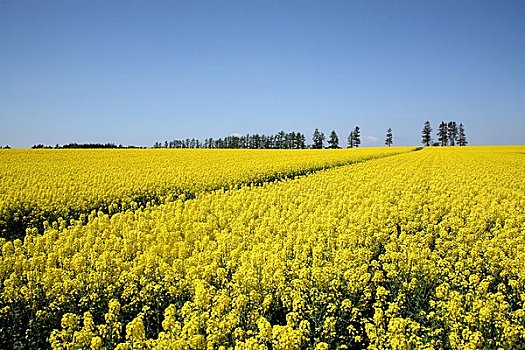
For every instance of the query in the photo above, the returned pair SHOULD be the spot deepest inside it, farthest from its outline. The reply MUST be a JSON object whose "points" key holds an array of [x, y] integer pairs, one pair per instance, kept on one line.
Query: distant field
{"points": [[39, 185], [419, 250]]}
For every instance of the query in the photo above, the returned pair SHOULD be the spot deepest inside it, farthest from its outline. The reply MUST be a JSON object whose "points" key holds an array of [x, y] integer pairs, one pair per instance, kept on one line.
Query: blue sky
{"points": [[136, 72]]}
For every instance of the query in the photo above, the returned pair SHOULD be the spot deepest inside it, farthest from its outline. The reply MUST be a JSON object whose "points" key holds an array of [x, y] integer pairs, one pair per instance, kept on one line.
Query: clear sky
{"points": [[136, 72]]}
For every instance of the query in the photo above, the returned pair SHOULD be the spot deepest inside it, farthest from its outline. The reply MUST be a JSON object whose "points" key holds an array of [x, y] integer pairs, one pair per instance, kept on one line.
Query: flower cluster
{"points": [[422, 250]]}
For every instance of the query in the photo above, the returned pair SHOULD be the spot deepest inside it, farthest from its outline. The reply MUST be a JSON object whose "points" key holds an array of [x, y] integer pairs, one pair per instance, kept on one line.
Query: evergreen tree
{"points": [[271, 141], [443, 134], [350, 140], [389, 137], [334, 140], [452, 133], [256, 141], [301, 140], [462, 138], [318, 139], [280, 139], [357, 137], [427, 134], [289, 140]]}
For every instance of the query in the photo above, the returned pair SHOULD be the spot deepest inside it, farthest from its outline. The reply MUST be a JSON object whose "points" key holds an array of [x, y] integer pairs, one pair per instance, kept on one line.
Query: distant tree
{"points": [[334, 140], [350, 140], [91, 145], [318, 139], [389, 140], [280, 139], [357, 136], [426, 134], [462, 138], [443, 134], [301, 141], [452, 129], [289, 140]]}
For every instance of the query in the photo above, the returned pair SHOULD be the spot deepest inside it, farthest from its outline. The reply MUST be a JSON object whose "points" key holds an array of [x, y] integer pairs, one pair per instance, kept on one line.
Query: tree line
{"points": [[84, 145], [281, 140], [449, 134]]}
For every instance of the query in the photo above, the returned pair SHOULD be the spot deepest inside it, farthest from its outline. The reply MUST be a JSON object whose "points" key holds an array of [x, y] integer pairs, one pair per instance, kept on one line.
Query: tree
{"points": [[334, 140], [318, 139], [357, 137], [301, 140], [291, 139], [452, 133], [280, 139], [443, 134], [462, 138], [427, 132], [351, 140], [389, 137]]}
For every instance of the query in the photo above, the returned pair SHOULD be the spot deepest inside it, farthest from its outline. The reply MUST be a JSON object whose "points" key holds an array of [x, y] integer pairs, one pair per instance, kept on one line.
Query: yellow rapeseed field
{"points": [[421, 250], [40, 185]]}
